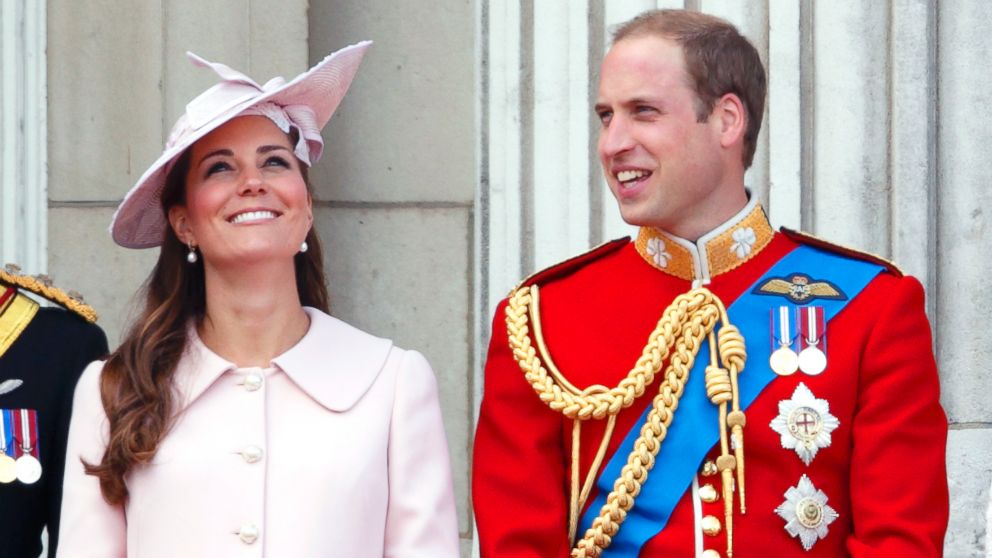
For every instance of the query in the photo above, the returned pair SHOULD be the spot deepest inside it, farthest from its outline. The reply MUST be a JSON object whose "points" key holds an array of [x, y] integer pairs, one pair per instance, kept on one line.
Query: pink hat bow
{"points": [[235, 89]]}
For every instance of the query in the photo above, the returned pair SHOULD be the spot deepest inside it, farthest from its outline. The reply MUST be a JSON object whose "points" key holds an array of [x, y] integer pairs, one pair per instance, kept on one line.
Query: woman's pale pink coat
{"points": [[338, 451]]}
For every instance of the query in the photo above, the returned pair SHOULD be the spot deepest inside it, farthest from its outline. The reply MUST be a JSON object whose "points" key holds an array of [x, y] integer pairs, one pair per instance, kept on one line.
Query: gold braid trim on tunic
{"points": [[42, 285], [685, 324]]}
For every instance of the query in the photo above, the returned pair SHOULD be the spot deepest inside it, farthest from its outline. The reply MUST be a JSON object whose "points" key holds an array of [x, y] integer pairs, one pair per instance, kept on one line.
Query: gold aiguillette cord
{"points": [[689, 320]]}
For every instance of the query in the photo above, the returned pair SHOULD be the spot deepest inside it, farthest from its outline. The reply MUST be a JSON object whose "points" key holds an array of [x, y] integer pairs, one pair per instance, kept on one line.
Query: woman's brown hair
{"points": [[137, 383]]}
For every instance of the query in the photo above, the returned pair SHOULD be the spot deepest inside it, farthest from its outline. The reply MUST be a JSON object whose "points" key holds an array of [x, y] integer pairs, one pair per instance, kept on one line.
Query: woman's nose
{"points": [[252, 184]]}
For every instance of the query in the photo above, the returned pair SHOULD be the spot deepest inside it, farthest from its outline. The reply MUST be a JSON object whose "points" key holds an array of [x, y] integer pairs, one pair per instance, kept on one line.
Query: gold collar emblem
{"points": [[719, 251]]}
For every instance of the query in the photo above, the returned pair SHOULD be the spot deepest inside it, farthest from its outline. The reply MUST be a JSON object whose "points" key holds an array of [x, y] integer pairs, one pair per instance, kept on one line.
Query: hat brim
{"points": [[140, 221]]}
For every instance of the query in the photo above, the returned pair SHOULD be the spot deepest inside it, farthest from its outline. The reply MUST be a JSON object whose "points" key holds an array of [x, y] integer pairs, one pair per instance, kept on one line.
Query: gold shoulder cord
{"points": [[683, 326], [15, 315], [42, 285]]}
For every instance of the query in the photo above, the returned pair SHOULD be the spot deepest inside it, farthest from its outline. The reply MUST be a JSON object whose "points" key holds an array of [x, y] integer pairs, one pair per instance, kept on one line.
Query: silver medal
{"points": [[28, 469], [27, 466], [812, 361]]}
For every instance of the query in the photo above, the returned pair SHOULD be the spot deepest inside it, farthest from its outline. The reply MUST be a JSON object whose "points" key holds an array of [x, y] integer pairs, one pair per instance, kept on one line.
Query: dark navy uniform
{"points": [[42, 353]]}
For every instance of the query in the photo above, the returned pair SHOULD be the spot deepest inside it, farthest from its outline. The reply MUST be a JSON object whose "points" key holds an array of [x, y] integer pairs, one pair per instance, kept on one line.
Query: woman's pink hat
{"points": [[304, 104]]}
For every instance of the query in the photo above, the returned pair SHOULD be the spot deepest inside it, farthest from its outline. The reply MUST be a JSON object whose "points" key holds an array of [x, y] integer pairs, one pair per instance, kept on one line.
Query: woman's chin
{"points": [[251, 256]]}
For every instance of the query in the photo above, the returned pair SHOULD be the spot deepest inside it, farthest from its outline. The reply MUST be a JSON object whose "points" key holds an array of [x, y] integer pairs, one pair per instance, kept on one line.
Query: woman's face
{"points": [[246, 200]]}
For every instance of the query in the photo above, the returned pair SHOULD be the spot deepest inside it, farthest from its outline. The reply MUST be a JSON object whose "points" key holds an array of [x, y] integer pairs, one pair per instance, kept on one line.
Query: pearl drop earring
{"points": [[191, 257], [304, 247]]}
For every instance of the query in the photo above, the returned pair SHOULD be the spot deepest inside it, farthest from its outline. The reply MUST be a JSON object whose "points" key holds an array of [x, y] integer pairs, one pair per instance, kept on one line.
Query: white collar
{"points": [[334, 363]]}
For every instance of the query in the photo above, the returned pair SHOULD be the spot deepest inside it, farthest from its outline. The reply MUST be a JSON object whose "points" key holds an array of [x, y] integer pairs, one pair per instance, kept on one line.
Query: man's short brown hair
{"points": [[718, 59]]}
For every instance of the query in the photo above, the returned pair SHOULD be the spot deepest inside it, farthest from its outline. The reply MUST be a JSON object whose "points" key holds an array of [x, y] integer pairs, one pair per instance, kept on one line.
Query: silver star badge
{"points": [[806, 513], [805, 423], [8, 386]]}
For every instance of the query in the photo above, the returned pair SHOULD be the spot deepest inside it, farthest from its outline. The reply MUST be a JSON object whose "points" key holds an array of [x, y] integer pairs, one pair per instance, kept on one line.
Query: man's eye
{"points": [[605, 116], [219, 166], [645, 109]]}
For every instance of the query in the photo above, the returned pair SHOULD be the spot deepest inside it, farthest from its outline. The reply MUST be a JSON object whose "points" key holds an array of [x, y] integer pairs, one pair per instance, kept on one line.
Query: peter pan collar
{"points": [[334, 363], [724, 248]]}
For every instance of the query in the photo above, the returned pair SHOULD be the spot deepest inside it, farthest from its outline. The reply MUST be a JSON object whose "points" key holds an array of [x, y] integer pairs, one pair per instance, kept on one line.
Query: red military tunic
{"points": [[883, 472]]}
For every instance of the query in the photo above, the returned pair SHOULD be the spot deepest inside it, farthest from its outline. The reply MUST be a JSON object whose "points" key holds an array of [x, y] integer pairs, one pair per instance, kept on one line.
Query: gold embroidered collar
{"points": [[718, 251]]}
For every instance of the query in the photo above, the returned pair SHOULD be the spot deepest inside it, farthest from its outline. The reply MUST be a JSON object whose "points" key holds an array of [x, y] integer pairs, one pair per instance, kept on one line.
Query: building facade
{"points": [[463, 158]]}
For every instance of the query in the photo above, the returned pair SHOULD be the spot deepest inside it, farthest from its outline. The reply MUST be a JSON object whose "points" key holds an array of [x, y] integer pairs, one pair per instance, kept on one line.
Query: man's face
{"points": [[663, 166]]}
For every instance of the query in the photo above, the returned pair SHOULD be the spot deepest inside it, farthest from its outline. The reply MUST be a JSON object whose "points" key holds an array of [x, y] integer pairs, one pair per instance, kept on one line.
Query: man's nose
{"points": [[615, 138]]}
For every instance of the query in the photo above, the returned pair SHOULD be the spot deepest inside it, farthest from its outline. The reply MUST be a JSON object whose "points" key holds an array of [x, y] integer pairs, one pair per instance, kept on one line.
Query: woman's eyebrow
{"points": [[224, 152]]}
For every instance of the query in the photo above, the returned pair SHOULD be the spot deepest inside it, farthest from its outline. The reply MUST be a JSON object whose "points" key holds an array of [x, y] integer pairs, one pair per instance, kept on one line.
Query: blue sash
{"points": [[694, 429]]}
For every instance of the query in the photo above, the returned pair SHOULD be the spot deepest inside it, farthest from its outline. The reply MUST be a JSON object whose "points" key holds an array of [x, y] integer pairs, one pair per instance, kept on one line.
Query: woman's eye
{"points": [[276, 161], [219, 166]]}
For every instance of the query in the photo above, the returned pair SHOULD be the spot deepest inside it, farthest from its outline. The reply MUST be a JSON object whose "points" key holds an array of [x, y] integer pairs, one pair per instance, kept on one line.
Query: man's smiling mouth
{"points": [[627, 178]]}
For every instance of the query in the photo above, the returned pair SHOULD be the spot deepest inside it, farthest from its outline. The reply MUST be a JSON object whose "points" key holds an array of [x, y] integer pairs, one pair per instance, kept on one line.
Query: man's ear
{"points": [[732, 116], [179, 221]]}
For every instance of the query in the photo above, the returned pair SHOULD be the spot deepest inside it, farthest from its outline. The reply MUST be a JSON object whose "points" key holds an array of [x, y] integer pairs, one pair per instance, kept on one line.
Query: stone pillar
{"points": [[396, 190]]}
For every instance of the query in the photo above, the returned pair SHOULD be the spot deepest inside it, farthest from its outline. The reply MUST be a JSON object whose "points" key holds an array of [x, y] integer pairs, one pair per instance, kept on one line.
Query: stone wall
{"points": [[461, 160]]}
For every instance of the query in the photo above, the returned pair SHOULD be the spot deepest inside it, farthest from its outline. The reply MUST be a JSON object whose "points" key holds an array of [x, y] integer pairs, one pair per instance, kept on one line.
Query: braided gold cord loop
{"points": [[689, 320], [732, 349], [568, 400], [718, 385], [641, 460], [733, 352]]}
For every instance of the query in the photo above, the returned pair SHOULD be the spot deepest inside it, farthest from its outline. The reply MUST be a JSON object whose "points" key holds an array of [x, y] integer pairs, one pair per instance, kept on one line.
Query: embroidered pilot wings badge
{"points": [[8, 386], [800, 289]]}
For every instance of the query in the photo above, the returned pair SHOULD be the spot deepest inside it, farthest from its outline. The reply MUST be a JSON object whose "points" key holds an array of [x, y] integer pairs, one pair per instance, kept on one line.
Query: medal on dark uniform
{"points": [[27, 465], [8, 470], [28, 469], [783, 361], [812, 357]]}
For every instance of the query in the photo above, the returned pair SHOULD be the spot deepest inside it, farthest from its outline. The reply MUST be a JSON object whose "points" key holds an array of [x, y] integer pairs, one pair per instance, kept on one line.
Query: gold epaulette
{"points": [[41, 285], [571, 264], [817, 242]]}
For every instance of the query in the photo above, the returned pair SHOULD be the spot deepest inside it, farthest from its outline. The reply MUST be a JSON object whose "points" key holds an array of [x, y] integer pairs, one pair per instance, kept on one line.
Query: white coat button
{"points": [[253, 381], [248, 533], [252, 454]]}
